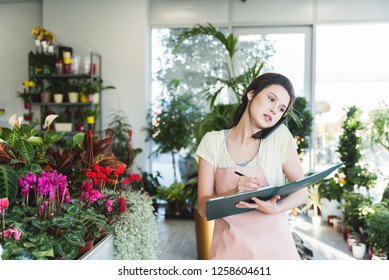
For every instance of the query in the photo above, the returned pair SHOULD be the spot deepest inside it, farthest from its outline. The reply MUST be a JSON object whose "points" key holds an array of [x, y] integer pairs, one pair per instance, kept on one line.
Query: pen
{"points": [[238, 173]]}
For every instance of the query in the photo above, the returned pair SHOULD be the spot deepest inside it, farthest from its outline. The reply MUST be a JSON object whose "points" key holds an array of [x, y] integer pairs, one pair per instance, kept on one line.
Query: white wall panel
{"points": [[188, 13], [272, 12], [352, 10]]}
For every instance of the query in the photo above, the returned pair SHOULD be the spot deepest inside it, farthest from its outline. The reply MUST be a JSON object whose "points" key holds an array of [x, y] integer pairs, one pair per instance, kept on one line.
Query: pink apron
{"points": [[251, 235]]}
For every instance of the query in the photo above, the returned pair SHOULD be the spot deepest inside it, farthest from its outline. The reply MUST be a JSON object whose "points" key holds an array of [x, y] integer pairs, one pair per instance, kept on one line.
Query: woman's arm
{"points": [[293, 171], [206, 185], [205, 188]]}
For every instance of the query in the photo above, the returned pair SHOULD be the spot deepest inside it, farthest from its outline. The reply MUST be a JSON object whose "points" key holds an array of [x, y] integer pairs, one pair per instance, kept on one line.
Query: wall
{"points": [[177, 13], [118, 30], [16, 22]]}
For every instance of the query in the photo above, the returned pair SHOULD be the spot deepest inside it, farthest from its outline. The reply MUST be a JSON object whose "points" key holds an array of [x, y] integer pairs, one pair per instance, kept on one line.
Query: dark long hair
{"points": [[257, 86]]}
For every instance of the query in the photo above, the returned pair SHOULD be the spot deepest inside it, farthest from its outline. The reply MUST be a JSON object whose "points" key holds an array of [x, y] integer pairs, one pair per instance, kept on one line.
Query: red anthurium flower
{"points": [[134, 177], [120, 170]]}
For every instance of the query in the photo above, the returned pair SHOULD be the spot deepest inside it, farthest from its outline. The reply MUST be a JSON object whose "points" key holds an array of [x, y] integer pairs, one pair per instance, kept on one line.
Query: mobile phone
{"points": [[267, 131]]}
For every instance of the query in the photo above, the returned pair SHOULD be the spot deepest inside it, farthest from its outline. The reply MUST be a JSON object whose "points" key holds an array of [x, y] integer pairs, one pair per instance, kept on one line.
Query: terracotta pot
{"points": [[83, 249], [45, 97], [345, 232]]}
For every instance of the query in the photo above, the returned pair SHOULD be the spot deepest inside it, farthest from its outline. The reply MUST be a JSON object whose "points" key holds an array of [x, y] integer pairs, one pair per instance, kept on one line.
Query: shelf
{"points": [[64, 104], [63, 76]]}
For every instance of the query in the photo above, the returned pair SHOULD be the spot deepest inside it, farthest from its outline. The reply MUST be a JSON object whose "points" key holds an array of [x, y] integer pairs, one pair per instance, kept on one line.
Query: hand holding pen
{"points": [[247, 184]]}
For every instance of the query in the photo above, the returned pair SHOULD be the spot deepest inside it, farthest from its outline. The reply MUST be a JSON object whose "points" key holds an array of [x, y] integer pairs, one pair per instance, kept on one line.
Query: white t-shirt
{"points": [[273, 152]]}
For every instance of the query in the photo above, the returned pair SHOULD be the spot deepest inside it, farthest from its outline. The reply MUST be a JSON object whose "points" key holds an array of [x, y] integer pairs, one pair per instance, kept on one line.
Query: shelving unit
{"points": [[47, 76]]}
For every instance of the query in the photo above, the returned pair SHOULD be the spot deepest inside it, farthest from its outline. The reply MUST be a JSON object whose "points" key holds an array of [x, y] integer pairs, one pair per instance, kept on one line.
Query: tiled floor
{"points": [[178, 240]]}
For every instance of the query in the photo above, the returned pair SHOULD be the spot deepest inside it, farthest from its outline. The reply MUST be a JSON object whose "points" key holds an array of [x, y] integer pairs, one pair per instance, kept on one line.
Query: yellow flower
{"points": [[28, 83]]}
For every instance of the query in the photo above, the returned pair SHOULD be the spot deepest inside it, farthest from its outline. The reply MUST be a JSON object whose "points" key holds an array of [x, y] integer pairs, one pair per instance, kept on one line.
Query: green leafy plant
{"points": [[353, 208], [378, 227], [353, 174], [229, 79], [172, 125], [300, 123], [122, 145], [379, 126], [136, 234]]}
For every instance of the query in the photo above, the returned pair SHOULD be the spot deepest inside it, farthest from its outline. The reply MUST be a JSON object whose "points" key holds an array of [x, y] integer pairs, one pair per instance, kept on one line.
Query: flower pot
{"points": [[67, 127], [96, 98], [58, 97], [330, 218], [316, 220], [345, 232], [83, 98], [359, 250], [45, 97], [83, 249], [378, 256], [337, 224], [27, 105], [350, 241], [73, 97], [79, 127]]}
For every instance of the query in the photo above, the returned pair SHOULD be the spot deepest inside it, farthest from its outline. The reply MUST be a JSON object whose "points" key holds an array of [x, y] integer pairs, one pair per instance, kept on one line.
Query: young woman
{"points": [[264, 160]]}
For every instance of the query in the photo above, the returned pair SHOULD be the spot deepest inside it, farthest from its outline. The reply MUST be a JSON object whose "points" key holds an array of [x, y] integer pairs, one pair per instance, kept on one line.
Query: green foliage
{"points": [[172, 125], [378, 227], [353, 173], [379, 126], [219, 117], [9, 183], [354, 205], [121, 144], [300, 123], [226, 77]]}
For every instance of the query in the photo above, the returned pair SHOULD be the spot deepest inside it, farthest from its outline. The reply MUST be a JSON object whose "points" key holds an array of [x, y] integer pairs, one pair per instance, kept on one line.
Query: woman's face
{"points": [[268, 106]]}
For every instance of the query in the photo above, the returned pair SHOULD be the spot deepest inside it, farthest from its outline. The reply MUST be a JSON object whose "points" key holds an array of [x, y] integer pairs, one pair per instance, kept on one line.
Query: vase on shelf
{"points": [[73, 97], [58, 97], [45, 97]]}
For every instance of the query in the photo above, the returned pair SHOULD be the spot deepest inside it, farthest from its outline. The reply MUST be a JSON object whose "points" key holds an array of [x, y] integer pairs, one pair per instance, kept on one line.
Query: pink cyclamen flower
{"points": [[109, 205], [4, 202], [12, 232]]}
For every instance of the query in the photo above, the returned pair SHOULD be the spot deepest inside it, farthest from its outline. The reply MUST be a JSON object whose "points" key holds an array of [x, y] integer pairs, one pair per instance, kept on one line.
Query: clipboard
{"points": [[220, 207]]}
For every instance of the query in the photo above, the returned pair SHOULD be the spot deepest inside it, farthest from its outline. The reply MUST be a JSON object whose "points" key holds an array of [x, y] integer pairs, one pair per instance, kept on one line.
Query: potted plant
{"points": [[92, 114], [136, 233], [359, 250], [64, 121], [313, 202], [175, 115], [378, 229], [73, 90], [177, 198], [92, 89], [353, 210]]}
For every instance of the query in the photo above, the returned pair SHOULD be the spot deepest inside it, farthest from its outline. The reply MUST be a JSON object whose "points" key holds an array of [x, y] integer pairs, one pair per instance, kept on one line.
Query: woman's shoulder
{"points": [[215, 135], [282, 130]]}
